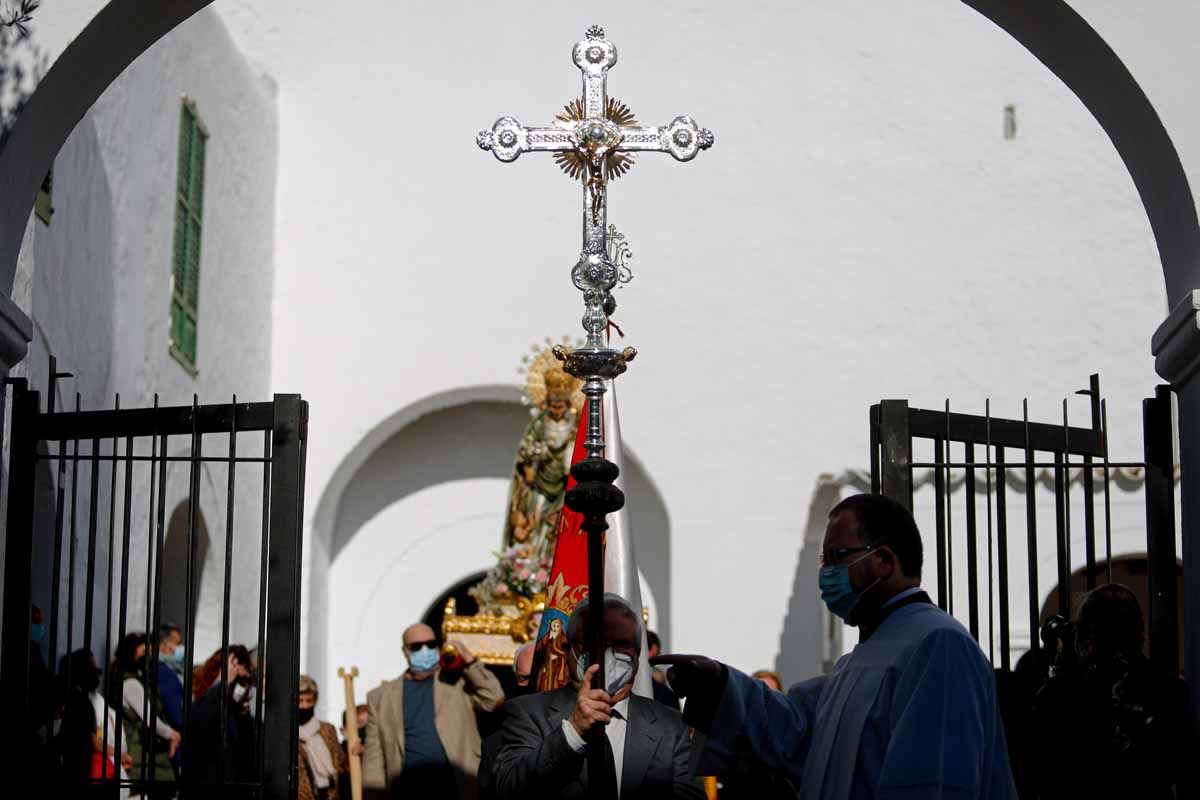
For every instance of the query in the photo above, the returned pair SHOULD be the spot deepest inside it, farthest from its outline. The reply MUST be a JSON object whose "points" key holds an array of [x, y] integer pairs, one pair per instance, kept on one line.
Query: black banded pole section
{"points": [[1060, 536], [1160, 531], [280, 663], [18, 581], [895, 473]]}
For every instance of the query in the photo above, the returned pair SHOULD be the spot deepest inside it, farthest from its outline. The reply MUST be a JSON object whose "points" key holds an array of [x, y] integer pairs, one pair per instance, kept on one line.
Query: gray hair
{"points": [[612, 602]]}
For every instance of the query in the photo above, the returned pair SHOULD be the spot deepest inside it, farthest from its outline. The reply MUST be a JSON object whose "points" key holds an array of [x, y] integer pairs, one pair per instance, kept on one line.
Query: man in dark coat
{"points": [[543, 740]]}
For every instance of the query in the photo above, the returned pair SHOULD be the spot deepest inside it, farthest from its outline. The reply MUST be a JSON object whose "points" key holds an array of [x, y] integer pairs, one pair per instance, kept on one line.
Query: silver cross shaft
{"points": [[593, 138]]}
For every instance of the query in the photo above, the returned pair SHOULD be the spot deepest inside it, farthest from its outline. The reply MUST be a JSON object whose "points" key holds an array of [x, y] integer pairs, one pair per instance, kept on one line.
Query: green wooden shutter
{"points": [[189, 213]]}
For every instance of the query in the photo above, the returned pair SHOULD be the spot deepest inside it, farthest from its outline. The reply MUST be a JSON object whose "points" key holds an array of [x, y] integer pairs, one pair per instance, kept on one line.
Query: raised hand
{"points": [[692, 676], [593, 707]]}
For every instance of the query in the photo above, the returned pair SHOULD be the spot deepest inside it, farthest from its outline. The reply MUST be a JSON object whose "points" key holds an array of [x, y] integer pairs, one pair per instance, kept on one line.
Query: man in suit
{"points": [[422, 735], [543, 739]]}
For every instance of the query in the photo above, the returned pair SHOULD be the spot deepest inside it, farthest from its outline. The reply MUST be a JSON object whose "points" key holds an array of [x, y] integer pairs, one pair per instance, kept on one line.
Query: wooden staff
{"points": [[352, 732]]}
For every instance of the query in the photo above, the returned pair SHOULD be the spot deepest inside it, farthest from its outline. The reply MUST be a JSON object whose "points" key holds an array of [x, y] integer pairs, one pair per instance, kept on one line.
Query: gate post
{"points": [[14, 649], [895, 473], [281, 665], [1160, 531]]}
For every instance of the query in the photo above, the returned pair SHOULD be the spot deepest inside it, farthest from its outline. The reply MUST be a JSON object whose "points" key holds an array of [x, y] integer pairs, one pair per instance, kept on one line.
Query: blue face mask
{"points": [[423, 660], [173, 658], [839, 596], [37, 631]]}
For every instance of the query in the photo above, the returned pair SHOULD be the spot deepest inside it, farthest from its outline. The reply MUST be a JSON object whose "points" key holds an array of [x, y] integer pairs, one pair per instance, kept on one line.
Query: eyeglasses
{"points": [[415, 646], [837, 554]]}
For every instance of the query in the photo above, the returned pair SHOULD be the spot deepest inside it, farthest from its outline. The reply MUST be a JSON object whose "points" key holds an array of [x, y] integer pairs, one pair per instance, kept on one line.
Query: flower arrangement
{"points": [[517, 573]]}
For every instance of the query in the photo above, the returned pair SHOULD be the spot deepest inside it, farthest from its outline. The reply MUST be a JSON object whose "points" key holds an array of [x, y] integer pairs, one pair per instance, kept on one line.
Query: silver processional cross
{"points": [[598, 141]]}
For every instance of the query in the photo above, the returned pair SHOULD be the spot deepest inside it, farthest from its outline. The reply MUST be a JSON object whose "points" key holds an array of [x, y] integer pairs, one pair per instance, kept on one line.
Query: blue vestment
{"points": [[909, 713]]}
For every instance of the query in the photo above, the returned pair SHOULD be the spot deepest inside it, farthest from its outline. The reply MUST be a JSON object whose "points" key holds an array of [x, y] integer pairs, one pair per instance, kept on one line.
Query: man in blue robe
{"points": [[910, 712]]}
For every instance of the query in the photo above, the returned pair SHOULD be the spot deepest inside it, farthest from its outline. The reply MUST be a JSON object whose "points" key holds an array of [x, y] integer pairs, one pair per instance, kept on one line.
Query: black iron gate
{"points": [[1053, 451], [90, 534]]}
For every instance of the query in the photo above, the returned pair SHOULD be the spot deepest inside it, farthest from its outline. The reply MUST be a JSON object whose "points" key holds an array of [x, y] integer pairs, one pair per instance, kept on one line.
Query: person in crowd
{"points": [[170, 683], [361, 711], [151, 741], [219, 756], [422, 735], [523, 667], [544, 736], [76, 740], [770, 678], [177, 663], [1105, 724], [663, 693], [42, 694], [911, 711], [322, 762]]}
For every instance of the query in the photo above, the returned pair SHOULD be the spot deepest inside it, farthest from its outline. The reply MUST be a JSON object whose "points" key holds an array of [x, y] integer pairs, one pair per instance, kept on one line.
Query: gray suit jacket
{"points": [[533, 758]]}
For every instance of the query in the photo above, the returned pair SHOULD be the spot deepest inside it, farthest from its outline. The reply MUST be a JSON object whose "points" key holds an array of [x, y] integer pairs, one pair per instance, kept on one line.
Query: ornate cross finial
{"points": [[595, 139]]}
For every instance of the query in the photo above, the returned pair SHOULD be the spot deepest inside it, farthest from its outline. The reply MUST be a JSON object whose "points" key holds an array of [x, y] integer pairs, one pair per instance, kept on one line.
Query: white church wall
{"points": [[100, 278]]}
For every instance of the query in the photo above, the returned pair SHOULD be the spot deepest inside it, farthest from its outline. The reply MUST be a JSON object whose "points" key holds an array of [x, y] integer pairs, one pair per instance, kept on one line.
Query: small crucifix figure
{"points": [[595, 140]]}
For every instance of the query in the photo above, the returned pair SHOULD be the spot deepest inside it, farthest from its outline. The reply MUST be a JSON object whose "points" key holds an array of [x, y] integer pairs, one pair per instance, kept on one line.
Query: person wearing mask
{"points": [[217, 756], [322, 762], [1106, 724], [177, 663], [170, 681], [911, 711], [152, 742], [662, 692], [422, 733], [41, 692], [543, 742], [522, 669]]}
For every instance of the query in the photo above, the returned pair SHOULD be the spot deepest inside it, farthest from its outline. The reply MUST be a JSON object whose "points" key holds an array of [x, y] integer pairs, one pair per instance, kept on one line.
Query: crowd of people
{"points": [[914, 710]]}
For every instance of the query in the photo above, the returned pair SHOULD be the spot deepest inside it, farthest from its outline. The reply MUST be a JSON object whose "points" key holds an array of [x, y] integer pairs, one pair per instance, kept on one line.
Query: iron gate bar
{"points": [[939, 491], [124, 601], [1008, 433], [972, 546], [1160, 531], [1089, 488], [1035, 464], [60, 500], [264, 539], [228, 574], [88, 606], [1002, 556], [167, 420], [71, 553], [171, 459], [987, 473], [18, 581], [108, 596], [1107, 498], [1065, 566], [1031, 536], [282, 654], [189, 622], [949, 608], [895, 479], [1064, 589]]}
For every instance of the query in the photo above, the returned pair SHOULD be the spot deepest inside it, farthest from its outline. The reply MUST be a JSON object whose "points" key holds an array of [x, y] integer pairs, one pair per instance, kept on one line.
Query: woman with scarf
{"points": [[322, 760]]}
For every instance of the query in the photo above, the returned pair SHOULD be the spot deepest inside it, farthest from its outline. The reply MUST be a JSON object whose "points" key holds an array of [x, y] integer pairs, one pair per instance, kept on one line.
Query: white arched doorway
{"points": [[417, 505]]}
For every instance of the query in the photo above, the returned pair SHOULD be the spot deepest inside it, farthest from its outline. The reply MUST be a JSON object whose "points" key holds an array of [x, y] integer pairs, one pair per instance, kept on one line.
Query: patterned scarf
{"points": [[320, 760]]}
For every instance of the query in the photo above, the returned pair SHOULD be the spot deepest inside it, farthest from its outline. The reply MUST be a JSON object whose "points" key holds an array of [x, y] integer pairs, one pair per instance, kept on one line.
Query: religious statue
{"points": [[543, 457]]}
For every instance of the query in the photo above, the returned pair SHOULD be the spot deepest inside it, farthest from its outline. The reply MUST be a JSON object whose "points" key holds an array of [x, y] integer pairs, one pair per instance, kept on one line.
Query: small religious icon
{"points": [[543, 459], [552, 649]]}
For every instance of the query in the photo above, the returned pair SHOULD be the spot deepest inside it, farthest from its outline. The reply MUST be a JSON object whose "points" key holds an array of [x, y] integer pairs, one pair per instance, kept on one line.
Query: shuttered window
{"points": [[189, 217]]}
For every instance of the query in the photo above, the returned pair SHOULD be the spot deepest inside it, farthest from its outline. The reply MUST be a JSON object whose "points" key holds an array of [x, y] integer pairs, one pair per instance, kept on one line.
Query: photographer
{"points": [[1105, 724]]}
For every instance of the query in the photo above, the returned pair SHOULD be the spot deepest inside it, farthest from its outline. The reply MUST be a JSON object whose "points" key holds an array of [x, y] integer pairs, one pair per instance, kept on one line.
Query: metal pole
{"points": [[1160, 531]]}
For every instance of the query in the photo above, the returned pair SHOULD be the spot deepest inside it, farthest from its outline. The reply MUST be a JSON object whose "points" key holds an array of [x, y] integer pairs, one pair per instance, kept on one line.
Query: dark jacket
{"points": [[210, 763], [533, 758]]}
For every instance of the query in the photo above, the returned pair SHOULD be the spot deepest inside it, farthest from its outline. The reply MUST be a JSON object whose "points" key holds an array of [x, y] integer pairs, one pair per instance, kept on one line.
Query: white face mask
{"points": [[239, 692], [618, 669]]}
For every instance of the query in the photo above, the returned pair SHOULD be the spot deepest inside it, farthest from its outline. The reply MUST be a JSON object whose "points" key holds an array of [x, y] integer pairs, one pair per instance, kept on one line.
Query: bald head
{"points": [[419, 632], [523, 663]]}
